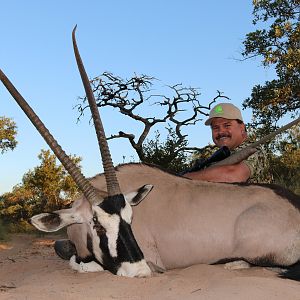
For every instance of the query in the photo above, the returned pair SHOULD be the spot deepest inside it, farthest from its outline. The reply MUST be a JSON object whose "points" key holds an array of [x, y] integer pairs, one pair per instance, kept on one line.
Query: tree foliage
{"points": [[285, 163], [50, 182], [278, 44], [47, 187], [166, 154], [8, 132]]}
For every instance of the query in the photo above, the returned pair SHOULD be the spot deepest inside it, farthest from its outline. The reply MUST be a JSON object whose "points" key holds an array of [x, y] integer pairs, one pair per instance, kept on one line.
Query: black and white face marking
{"points": [[114, 244], [110, 241]]}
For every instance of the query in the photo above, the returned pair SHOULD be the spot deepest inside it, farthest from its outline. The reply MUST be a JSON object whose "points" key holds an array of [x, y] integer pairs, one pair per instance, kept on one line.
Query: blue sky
{"points": [[196, 43]]}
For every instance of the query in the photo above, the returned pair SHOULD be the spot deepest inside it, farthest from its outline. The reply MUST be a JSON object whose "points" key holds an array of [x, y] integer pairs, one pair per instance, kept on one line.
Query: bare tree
{"points": [[181, 109]]}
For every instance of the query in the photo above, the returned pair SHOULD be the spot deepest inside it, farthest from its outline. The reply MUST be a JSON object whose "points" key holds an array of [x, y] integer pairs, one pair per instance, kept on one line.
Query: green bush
{"points": [[3, 231], [21, 226]]}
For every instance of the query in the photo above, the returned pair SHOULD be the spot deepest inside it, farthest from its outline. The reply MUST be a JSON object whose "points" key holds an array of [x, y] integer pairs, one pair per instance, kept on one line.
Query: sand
{"points": [[30, 269]]}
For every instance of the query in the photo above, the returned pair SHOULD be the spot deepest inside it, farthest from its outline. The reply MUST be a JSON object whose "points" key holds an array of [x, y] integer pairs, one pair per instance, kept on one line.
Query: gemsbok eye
{"points": [[99, 229]]}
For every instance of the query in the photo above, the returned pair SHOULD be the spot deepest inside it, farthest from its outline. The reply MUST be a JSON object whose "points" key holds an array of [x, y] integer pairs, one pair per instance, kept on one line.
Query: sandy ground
{"points": [[29, 269]]}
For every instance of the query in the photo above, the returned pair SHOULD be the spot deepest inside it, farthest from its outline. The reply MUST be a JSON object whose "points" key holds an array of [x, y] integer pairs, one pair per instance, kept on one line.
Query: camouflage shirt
{"points": [[258, 165]]}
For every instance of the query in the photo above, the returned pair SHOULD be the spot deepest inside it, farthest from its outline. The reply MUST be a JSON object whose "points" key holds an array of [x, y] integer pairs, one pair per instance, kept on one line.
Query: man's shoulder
{"points": [[245, 144], [257, 163]]}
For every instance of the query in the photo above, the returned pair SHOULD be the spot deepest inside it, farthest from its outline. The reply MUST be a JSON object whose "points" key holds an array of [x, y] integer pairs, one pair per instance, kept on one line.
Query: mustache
{"points": [[219, 136]]}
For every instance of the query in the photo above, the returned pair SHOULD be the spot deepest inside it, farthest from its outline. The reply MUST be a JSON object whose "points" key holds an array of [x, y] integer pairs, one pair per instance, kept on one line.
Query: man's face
{"points": [[227, 132]]}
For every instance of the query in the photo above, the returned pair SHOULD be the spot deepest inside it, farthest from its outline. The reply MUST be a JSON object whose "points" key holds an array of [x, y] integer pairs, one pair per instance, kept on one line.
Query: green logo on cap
{"points": [[219, 109]]}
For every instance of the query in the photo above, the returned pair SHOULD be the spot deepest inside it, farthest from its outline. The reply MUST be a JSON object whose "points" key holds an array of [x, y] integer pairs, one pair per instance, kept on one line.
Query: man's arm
{"points": [[233, 173]]}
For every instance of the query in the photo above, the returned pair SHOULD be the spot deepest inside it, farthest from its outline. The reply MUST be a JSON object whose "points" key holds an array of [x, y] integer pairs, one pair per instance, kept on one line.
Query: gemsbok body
{"points": [[136, 218], [184, 222]]}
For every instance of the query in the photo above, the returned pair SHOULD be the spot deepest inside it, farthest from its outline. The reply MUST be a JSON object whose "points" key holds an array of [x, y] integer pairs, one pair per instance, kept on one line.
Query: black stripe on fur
{"points": [[292, 273]]}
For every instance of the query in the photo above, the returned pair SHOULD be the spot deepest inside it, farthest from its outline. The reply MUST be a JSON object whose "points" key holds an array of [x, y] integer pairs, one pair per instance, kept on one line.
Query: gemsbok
{"points": [[181, 222]]}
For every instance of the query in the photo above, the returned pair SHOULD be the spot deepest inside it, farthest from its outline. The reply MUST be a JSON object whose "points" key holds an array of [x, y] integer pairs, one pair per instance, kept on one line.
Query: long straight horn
{"points": [[83, 184], [113, 187]]}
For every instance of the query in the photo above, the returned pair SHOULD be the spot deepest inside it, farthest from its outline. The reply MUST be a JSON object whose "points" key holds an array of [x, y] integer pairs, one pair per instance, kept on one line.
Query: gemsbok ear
{"points": [[136, 197], [51, 222]]}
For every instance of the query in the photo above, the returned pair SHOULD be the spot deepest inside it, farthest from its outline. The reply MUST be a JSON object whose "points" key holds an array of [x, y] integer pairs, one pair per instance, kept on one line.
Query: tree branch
{"points": [[182, 108]]}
